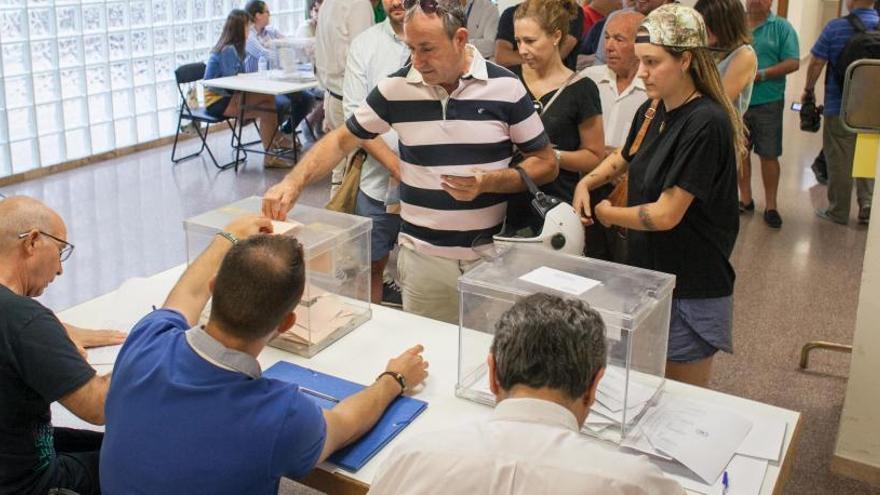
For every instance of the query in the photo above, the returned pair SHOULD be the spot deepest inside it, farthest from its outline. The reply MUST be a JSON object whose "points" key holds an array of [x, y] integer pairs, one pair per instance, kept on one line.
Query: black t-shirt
{"points": [[38, 365], [694, 151], [577, 103], [575, 29]]}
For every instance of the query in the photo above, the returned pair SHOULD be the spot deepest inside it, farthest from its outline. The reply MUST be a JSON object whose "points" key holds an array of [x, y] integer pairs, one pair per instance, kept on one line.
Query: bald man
{"points": [[621, 93], [40, 364]]}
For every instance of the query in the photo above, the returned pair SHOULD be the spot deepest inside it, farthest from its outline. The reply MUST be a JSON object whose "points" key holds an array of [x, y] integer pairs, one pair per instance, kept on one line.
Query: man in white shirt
{"points": [[621, 92], [339, 22], [374, 54], [532, 442], [482, 25]]}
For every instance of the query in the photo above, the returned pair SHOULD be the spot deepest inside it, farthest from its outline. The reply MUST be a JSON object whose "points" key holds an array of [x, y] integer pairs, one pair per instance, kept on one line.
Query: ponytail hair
{"points": [[704, 72]]}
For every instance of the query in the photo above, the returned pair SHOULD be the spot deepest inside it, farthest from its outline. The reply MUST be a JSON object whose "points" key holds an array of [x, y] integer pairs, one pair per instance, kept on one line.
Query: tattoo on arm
{"points": [[645, 217]]}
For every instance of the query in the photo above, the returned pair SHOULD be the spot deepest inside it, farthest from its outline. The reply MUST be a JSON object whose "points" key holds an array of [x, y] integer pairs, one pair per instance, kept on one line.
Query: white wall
{"points": [[858, 440], [808, 17]]}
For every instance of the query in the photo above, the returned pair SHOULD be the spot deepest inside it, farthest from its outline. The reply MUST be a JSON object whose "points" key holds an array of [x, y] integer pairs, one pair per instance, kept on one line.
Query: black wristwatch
{"points": [[397, 377]]}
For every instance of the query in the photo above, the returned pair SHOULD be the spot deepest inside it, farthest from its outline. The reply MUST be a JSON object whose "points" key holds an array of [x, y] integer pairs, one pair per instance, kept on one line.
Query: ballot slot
{"points": [[336, 249], [634, 304]]}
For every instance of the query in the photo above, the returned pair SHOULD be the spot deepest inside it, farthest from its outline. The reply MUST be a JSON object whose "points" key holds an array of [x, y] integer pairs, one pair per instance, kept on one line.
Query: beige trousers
{"points": [[334, 118], [430, 283]]}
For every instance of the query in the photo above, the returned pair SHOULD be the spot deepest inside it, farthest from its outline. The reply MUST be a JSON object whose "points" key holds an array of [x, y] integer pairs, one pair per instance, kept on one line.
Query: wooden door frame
{"points": [[782, 8]]}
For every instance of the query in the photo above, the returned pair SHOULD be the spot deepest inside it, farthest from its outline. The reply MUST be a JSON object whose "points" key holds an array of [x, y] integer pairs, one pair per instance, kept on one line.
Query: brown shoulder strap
{"points": [[649, 116]]}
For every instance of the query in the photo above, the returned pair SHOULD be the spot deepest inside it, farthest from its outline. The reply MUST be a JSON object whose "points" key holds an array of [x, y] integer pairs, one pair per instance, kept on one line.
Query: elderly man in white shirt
{"points": [[532, 442], [339, 22], [374, 54], [621, 91], [482, 25]]}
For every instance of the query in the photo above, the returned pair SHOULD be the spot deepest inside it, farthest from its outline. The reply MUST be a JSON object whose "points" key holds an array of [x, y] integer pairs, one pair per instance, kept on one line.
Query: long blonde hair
{"points": [[707, 80]]}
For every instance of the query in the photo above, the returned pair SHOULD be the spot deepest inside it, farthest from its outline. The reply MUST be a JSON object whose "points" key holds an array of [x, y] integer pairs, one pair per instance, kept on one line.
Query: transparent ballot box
{"points": [[634, 304], [336, 246]]}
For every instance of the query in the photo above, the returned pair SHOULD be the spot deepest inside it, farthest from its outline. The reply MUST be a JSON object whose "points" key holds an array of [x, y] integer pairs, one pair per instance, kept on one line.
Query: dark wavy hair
{"points": [[233, 32]]}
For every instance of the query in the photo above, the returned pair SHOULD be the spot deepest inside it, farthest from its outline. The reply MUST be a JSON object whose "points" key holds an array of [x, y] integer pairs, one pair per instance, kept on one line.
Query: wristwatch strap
{"points": [[229, 237], [397, 377]]}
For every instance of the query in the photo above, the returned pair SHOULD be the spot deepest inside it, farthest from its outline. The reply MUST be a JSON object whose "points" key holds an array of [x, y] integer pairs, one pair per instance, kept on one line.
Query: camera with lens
{"points": [[811, 114]]}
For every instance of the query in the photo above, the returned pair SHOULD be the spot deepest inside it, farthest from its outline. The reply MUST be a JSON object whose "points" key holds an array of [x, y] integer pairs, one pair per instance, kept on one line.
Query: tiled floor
{"points": [[793, 285]]}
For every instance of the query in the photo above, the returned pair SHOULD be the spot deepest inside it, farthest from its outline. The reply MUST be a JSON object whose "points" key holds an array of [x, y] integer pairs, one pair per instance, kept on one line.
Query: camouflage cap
{"points": [[674, 25]]}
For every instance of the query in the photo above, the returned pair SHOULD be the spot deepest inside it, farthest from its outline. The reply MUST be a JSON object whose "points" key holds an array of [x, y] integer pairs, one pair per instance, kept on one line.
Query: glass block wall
{"points": [[81, 77]]}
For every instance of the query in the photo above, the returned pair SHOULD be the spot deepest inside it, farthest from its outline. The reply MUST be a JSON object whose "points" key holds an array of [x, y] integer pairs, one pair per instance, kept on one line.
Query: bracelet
{"points": [[558, 155], [762, 74], [397, 377], [229, 237]]}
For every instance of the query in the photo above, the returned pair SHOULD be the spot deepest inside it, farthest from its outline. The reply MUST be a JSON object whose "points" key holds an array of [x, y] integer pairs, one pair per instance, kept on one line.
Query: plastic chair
{"points": [[186, 74]]}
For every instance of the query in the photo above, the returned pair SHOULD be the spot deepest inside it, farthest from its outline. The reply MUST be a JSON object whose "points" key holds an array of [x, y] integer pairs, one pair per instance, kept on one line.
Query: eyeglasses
{"points": [[434, 7], [66, 247]]}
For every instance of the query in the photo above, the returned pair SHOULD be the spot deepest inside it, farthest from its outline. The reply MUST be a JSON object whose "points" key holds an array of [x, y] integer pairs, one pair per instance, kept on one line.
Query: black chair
{"points": [[186, 74]]}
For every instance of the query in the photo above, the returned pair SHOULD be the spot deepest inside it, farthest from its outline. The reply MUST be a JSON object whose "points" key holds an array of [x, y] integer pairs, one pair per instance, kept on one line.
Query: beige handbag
{"points": [[346, 197]]}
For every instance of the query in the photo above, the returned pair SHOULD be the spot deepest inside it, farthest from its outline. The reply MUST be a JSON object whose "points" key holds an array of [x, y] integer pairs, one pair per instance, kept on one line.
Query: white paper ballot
{"points": [[745, 476], [284, 227], [636, 440], [559, 280], [103, 355], [700, 436], [765, 439]]}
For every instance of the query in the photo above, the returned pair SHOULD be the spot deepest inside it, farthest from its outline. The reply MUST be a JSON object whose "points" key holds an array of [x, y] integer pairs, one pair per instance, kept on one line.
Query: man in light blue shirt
{"points": [[374, 54]]}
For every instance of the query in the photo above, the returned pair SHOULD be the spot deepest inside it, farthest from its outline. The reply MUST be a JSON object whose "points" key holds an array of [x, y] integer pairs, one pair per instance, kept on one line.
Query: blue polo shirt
{"points": [[187, 418], [830, 45], [774, 41]]}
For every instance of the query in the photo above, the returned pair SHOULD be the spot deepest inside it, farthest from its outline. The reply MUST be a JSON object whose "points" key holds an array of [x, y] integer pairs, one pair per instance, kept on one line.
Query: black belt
{"points": [[338, 97]]}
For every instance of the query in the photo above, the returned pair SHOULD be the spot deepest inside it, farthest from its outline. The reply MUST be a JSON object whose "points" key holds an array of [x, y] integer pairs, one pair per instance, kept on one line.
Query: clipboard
{"points": [[327, 390]]}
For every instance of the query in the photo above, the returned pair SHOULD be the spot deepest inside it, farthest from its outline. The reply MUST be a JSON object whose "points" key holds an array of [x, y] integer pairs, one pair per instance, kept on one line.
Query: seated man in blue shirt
{"points": [[188, 410]]}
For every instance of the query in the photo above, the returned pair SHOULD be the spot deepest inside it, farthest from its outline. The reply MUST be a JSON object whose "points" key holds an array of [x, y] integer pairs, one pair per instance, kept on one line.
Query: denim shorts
{"points": [[698, 328], [386, 226], [764, 123]]}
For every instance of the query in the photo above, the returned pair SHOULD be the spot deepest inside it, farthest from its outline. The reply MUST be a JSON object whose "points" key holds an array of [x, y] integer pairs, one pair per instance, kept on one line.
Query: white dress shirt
{"points": [[528, 446], [482, 26], [339, 22], [374, 54], [618, 108]]}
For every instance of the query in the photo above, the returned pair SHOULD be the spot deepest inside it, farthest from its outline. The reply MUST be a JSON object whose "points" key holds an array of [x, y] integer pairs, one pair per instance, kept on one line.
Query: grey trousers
{"points": [[839, 145]]}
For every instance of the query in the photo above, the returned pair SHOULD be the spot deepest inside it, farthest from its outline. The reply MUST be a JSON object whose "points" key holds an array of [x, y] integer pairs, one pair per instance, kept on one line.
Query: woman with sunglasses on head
{"points": [[227, 59], [681, 211], [568, 103]]}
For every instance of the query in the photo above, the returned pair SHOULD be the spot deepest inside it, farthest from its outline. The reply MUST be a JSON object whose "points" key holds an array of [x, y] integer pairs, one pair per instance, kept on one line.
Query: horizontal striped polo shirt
{"points": [[472, 129]]}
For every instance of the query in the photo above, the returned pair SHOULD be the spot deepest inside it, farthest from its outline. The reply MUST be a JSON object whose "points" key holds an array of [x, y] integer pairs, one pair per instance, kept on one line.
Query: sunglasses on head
{"points": [[427, 6], [433, 7]]}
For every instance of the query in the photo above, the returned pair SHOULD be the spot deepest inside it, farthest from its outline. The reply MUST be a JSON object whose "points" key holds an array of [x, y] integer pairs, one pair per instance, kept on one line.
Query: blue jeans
{"points": [[302, 103]]}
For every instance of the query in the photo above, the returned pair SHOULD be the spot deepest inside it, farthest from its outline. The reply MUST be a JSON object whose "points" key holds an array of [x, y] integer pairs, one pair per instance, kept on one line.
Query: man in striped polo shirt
{"points": [[457, 117]]}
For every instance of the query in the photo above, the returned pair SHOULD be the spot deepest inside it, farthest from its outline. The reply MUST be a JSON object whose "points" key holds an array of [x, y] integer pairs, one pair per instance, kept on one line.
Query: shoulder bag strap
{"points": [[649, 116]]}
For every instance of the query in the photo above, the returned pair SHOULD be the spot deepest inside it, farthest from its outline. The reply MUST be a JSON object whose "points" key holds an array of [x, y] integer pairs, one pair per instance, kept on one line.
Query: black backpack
{"points": [[864, 44]]}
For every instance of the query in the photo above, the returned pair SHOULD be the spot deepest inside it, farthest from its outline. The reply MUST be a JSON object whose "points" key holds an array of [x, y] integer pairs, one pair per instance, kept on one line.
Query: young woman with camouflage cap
{"points": [[681, 214]]}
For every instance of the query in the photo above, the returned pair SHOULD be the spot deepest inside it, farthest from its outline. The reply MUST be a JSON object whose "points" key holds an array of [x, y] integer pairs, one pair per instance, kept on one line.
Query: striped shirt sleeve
{"points": [[526, 129], [373, 117]]}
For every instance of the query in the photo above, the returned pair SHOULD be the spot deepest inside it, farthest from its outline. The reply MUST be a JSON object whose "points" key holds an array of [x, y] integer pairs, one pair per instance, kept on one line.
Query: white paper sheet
{"points": [[636, 440], [701, 436], [765, 439], [284, 227], [559, 280], [106, 355], [745, 475]]}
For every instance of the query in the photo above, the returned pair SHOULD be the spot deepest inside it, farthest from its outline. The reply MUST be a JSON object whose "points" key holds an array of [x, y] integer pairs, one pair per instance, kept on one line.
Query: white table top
{"points": [[370, 346], [258, 82]]}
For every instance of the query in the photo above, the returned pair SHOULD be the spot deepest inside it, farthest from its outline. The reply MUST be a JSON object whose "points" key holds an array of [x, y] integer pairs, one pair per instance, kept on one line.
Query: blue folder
{"points": [[353, 457]]}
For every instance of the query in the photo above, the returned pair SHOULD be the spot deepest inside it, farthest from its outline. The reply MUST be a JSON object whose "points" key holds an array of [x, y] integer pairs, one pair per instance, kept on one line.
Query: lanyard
{"points": [[470, 8]]}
